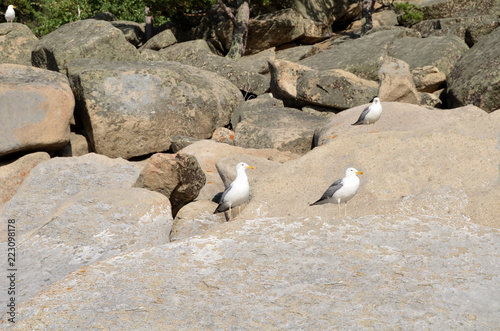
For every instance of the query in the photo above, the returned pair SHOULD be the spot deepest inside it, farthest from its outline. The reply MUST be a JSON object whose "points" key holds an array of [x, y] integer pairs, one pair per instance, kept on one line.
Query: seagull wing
{"points": [[329, 192], [222, 203], [362, 116]]}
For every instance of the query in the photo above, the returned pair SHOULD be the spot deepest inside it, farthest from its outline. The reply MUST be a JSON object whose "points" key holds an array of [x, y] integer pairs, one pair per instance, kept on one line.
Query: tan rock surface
{"points": [[432, 163], [209, 152], [12, 174]]}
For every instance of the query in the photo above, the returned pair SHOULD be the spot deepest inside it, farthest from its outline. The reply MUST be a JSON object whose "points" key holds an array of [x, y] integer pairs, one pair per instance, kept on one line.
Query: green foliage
{"points": [[410, 13], [44, 16]]}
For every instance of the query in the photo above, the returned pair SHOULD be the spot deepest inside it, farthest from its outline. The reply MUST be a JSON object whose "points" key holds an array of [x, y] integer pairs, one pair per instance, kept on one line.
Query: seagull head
{"points": [[11, 7], [352, 172], [244, 166], [376, 100]]}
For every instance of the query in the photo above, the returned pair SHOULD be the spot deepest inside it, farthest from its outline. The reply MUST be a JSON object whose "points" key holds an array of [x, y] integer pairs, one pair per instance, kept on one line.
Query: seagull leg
{"points": [[230, 214], [239, 211], [374, 128], [345, 208]]}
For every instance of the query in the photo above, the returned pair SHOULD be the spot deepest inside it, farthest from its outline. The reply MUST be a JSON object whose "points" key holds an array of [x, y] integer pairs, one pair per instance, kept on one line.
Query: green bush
{"points": [[410, 13], [44, 16]]}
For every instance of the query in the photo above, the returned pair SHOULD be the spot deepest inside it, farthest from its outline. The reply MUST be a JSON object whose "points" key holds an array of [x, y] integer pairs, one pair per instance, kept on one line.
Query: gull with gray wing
{"points": [[341, 190], [370, 114], [236, 193]]}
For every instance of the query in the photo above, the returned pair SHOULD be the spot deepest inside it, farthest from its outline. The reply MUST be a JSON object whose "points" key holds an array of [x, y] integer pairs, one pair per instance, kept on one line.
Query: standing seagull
{"points": [[10, 14], [237, 192], [370, 114], [342, 190]]}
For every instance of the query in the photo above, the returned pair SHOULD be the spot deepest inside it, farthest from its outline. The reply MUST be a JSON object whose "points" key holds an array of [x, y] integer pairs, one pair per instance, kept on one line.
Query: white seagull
{"points": [[10, 14], [370, 114], [342, 190], [237, 193]]}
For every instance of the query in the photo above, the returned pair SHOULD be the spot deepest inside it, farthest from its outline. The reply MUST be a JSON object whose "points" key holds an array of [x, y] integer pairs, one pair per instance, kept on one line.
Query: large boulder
{"points": [[422, 162], [53, 181], [327, 11], [16, 43], [363, 56], [442, 52], [179, 177], [161, 40], [297, 84], [282, 128], [469, 29], [282, 27], [475, 79], [428, 78], [288, 273], [82, 39], [457, 8], [197, 53], [133, 32], [36, 109], [134, 108], [209, 152], [13, 173], [396, 82], [70, 212]]}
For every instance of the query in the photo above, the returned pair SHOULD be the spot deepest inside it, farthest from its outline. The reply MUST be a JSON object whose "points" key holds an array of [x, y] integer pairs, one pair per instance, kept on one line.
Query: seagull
{"points": [[10, 14], [370, 114], [237, 192], [342, 190]]}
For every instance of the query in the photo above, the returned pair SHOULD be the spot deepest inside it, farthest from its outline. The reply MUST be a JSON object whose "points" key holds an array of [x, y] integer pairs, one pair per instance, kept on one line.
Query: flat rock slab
{"points": [[372, 272], [87, 228], [53, 181]]}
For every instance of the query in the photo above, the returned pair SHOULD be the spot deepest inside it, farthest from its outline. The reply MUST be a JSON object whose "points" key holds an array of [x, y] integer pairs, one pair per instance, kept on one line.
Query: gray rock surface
{"points": [[161, 40], [329, 11], [456, 8], [82, 39], [475, 79], [363, 56], [16, 43], [285, 273], [296, 85], [133, 32], [133, 108], [197, 53], [36, 109], [194, 219], [281, 128], [53, 181], [470, 29], [89, 227], [441, 52]]}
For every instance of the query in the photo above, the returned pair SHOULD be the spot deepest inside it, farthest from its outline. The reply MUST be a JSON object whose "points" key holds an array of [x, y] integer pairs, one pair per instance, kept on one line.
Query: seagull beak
{"points": [[250, 167], [360, 172]]}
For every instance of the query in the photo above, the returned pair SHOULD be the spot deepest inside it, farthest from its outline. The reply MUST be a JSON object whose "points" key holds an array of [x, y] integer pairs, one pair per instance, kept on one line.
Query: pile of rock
{"points": [[113, 148]]}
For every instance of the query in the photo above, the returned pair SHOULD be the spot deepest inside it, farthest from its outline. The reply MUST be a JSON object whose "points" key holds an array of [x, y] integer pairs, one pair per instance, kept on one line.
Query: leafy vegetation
{"points": [[44, 16], [410, 13]]}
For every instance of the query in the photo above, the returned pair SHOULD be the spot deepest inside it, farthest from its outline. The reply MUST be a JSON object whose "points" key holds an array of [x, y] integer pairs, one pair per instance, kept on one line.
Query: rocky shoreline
{"points": [[113, 150]]}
